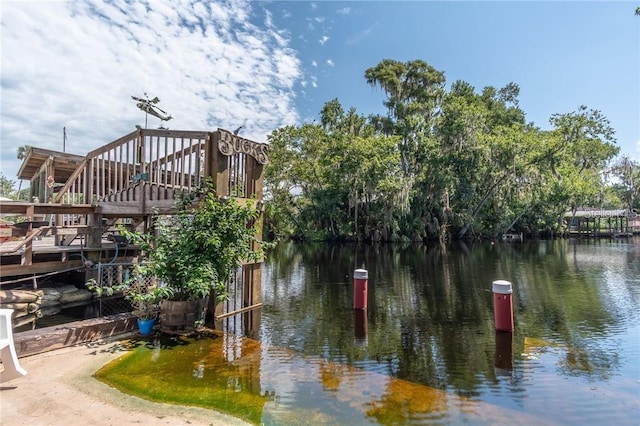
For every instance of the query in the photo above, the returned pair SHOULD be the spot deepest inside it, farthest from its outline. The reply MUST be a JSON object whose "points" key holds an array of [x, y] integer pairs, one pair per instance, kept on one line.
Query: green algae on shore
{"points": [[189, 371]]}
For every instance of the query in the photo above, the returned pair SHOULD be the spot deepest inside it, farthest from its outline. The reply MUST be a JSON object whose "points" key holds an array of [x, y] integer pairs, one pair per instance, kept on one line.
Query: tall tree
{"points": [[412, 88], [576, 151], [6, 187], [628, 173], [341, 177]]}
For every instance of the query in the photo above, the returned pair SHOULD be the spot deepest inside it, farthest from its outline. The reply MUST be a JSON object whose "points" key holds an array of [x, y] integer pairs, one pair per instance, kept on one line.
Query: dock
{"points": [[79, 204]]}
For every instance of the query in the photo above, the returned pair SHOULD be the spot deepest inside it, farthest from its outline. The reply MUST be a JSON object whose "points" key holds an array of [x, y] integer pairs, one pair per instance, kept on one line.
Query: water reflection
{"points": [[503, 359], [274, 386], [425, 350], [360, 327], [430, 318]]}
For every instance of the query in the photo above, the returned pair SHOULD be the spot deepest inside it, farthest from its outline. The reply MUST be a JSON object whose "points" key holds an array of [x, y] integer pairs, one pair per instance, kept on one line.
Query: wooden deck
{"points": [[47, 257], [599, 223], [123, 183]]}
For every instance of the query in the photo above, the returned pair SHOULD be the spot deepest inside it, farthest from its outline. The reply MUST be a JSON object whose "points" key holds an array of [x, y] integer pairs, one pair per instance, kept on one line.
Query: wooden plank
{"points": [[46, 339], [190, 134], [38, 268], [81, 168], [30, 209], [70, 230], [221, 168], [111, 145], [124, 209], [239, 311]]}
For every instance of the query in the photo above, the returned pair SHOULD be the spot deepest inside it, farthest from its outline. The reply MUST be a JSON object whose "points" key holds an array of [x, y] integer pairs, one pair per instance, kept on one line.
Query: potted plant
{"points": [[193, 252], [142, 293], [145, 298]]}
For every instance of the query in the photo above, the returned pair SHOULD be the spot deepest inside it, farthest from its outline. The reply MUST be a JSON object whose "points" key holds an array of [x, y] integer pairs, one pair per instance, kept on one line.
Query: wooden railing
{"points": [[166, 159], [144, 171]]}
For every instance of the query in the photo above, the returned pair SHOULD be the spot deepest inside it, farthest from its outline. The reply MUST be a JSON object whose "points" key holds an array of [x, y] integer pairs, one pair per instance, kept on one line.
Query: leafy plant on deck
{"points": [[194, 251]]}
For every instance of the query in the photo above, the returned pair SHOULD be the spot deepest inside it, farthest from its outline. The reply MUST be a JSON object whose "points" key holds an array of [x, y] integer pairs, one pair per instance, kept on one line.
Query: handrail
{"points": [[81, 167], [113, 144], [28, 238], [166, 159]]}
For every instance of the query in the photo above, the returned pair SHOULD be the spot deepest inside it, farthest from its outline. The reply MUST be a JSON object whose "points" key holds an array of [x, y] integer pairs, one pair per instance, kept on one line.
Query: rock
{"points": [[52, 302], [50, 293], [50, 310], [67, 288], [75, 296]]}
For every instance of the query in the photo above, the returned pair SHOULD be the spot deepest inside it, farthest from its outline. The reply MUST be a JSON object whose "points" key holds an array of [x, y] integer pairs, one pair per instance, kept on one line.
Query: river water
{"points": [[425, 351], [573, 358]]}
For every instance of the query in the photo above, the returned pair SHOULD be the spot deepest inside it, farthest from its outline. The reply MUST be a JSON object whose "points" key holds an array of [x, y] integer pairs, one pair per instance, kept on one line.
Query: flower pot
{"points": [[145, 326], [180, 316]]}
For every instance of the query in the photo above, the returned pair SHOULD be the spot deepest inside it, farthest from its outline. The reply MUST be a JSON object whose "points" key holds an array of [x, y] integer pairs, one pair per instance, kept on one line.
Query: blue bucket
{"points": [[145, 326]]}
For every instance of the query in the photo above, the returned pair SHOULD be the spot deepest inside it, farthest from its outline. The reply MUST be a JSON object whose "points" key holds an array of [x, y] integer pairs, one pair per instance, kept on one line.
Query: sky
{"points": [[75, 65]]}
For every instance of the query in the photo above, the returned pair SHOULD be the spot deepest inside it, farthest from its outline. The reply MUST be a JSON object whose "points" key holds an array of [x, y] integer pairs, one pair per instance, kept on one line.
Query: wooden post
{"points": [[59, 220], [253, 291], [220, 168], [93, 241], [27, 255]]}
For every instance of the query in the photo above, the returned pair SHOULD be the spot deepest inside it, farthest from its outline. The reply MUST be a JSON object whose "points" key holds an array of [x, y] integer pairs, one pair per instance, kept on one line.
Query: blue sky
{"points": [[269, 64]]}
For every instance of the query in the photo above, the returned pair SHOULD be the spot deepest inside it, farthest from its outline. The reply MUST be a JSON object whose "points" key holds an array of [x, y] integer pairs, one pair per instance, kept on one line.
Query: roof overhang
{"points": [[64, 163]]}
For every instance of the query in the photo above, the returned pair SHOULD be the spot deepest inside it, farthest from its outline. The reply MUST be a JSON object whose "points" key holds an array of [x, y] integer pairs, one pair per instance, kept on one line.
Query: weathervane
{"points": [[149, 107]]}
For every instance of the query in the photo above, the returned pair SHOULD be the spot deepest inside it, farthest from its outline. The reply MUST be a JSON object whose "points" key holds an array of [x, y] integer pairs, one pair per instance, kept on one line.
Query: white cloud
{"points": [[323, 39], [77, 64], [314, 63], [314, 81], [344, 11], [330, 63], [358, 37]]}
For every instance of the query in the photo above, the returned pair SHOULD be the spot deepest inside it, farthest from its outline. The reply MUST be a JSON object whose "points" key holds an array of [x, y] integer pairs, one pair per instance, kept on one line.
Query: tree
{"points": [[6, 187], [575, 153], [628, 173], [22, 151], [485, 147], [412, 88], [336, 180], [440, 163]]}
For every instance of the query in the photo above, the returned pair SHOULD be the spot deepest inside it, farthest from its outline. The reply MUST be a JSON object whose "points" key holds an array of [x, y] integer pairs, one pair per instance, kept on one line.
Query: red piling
{"points": [[360, 284], [502, 305]]}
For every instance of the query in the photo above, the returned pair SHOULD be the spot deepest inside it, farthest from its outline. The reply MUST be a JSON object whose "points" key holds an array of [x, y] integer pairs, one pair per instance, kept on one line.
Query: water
{"points": [[426, 351]]}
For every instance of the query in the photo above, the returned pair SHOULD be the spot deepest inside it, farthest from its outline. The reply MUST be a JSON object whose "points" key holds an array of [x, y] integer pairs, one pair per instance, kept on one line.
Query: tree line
{"points": [[441, 164]]}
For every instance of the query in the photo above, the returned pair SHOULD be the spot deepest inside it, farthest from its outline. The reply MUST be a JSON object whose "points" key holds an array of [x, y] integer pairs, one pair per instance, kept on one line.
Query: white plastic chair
{"points": [[12, 369]]}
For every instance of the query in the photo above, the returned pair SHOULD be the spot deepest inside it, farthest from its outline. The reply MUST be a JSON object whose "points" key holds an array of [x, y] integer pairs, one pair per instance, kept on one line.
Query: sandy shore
{"points": [[59, 390]]}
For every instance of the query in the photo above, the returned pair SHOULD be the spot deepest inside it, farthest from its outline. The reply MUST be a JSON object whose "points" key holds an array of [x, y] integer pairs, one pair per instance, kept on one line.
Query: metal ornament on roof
{"points": [[149, 106]]}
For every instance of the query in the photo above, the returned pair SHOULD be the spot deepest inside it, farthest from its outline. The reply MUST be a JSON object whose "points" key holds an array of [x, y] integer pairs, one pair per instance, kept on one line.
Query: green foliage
{"points": [[331, 181], [194, 251], [627, 187], [7, 187], [440, 164], [143, 293]]}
